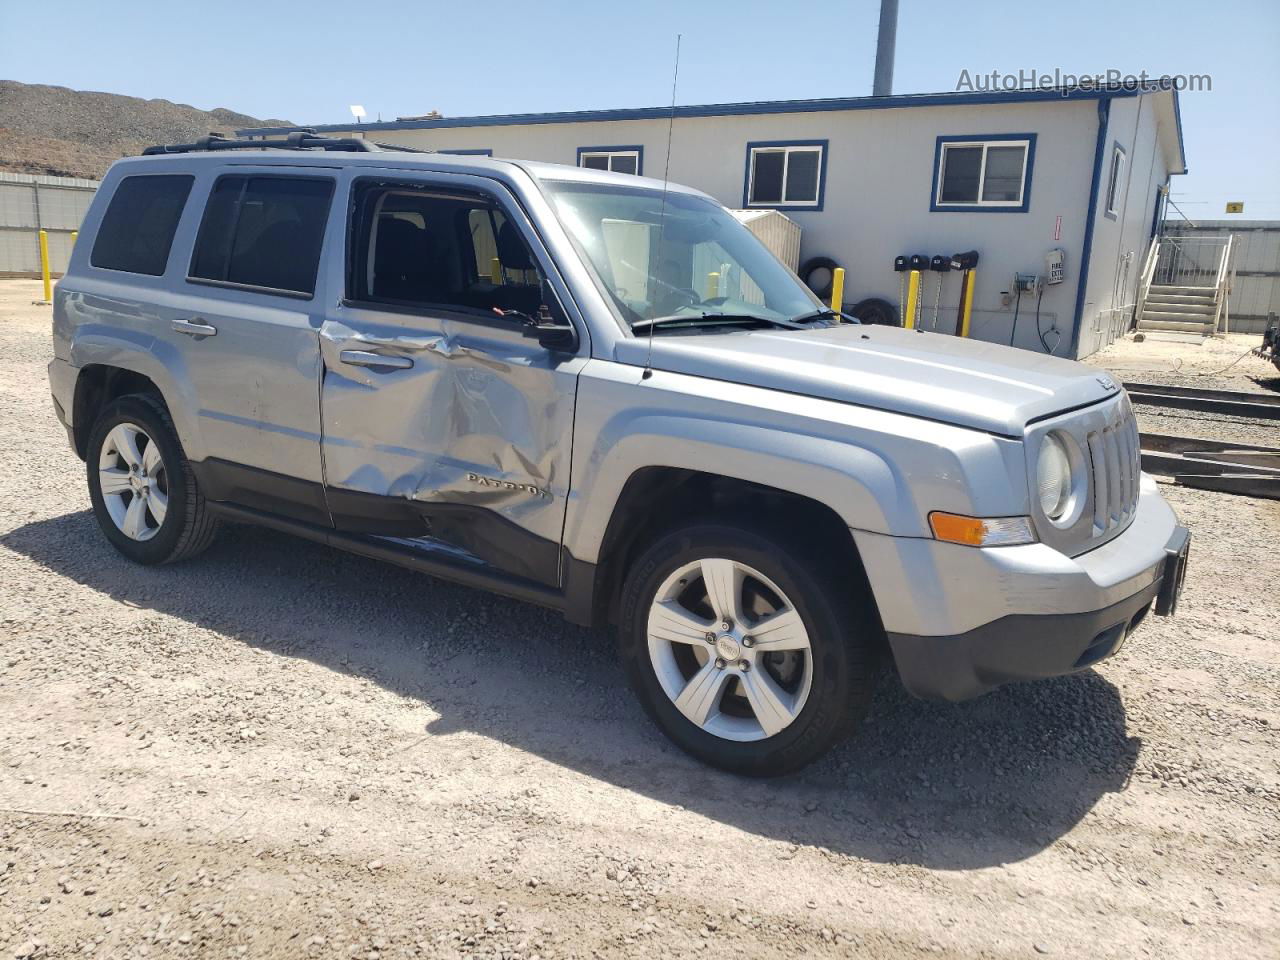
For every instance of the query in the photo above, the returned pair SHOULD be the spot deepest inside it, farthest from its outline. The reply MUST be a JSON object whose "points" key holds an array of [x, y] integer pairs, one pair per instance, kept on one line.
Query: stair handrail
{"points": [[1220, 286], [1148, 274]]}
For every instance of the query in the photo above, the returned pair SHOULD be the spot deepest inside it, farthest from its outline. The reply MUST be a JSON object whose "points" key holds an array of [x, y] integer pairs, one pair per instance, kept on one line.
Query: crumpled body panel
{"points": [[470, 444]]}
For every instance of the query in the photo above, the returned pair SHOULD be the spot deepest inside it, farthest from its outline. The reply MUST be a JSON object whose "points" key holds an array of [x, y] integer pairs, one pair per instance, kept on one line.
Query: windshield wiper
{"points": [[714, 319], [825, 314]]}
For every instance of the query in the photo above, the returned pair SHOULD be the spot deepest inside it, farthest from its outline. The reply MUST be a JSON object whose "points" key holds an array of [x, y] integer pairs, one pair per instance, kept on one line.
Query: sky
{"points": [[307, 62]]}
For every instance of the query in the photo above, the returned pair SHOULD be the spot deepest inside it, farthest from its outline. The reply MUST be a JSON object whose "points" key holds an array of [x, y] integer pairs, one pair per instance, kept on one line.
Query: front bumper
{"points": [[962, 621]]}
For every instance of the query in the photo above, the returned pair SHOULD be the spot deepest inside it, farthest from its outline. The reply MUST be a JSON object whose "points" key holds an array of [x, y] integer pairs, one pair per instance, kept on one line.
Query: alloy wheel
{"points": [[133, 481], [730, 649]]}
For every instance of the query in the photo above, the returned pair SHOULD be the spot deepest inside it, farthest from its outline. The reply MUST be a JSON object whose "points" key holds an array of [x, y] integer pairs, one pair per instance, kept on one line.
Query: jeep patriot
{"points": [[525, 378]]}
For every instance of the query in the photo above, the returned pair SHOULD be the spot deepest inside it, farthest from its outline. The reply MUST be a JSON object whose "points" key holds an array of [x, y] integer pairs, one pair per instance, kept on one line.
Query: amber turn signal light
{"points": [[981, 531]]}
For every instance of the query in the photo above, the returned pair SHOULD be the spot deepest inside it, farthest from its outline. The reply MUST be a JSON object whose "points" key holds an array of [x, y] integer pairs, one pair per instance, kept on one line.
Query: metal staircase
{"points": [[1185, 285]]}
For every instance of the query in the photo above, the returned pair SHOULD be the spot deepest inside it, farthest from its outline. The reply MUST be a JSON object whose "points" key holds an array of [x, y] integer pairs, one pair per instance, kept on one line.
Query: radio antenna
{"points": [[662, 218]]}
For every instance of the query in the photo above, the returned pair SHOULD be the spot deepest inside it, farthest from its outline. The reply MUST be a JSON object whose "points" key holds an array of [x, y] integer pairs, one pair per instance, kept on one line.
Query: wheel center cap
{"points": [[727, 648]]}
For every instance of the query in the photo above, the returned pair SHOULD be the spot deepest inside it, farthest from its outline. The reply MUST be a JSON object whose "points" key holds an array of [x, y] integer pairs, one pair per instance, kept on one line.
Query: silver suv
{"points": [[602, 394]]}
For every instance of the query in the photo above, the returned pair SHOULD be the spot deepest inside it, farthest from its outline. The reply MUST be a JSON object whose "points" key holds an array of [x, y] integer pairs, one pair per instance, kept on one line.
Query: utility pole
{"points": [[882, 85]]}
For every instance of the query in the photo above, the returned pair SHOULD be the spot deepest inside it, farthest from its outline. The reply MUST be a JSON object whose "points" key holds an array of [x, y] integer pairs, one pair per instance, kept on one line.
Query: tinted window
{"points": [[263, 232], [415, 248], [802, 175], [766, 181], [1002, 179], [961, 171], [137, 229], [623, 163], [1113, 188]]}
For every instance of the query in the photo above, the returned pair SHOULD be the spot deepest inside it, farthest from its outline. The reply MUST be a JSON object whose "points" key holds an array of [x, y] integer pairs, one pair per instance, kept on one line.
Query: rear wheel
{"points": [[143, 492], [744, 650]]}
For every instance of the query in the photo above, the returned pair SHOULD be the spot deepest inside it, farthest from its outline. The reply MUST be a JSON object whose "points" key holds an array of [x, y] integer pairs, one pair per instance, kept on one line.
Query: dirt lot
{"points": [[278, 750]]}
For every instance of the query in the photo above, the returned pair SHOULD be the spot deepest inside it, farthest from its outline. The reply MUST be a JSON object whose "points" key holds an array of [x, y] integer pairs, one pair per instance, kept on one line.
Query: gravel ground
{"points": [[279, 750], [1219, 363]]}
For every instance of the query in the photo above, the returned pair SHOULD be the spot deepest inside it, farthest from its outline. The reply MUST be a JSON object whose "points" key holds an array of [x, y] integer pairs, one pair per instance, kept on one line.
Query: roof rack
{"points": [[298, 140]]}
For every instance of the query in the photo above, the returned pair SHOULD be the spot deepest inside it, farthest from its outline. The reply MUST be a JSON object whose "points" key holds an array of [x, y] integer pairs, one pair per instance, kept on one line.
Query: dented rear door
{"points": [[444, 426]]}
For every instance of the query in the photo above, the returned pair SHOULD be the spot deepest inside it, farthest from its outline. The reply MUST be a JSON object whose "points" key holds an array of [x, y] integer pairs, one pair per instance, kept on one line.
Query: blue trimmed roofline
{"points": [[738, 109]]}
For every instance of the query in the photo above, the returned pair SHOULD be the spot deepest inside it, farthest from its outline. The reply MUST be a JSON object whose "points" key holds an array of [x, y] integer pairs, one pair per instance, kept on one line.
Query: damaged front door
{"points": [[445, 426]]}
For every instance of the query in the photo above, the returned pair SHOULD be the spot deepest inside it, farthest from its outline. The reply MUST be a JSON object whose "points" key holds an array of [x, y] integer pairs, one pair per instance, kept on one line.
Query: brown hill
{"points": [[78, 133]]}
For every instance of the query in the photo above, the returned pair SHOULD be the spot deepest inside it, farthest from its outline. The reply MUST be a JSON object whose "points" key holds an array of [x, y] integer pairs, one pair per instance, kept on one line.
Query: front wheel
{"points": [[744, 649]]}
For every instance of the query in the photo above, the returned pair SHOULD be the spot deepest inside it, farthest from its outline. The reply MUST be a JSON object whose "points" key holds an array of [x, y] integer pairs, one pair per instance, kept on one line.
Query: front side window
{"points": [[1115, 183], [137, 230], [263, 232], [420, 248], [785, 174], [675, 256], [613, 159], [983, 174]]}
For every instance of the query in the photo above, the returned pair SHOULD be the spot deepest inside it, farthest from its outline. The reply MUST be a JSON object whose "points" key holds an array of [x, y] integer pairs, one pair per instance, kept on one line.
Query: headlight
{"points": [[1053, 477]]}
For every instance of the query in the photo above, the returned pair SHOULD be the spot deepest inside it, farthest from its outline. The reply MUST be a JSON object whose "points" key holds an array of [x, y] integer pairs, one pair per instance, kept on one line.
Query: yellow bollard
{"points": [[968, 301], [913, 300], [74, 235], [837, 290], [713, 285], [495, 271], [44, 265]]}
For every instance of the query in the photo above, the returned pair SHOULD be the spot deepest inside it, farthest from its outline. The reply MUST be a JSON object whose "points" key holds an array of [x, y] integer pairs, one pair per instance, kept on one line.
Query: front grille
{"points": [[1115, 457]]}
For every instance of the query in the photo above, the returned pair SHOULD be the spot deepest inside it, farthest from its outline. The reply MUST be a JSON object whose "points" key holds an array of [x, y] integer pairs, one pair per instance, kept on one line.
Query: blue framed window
{"points": [[623, 159], [477, 152], [989, 173], [1115, 184], [785, 174]]}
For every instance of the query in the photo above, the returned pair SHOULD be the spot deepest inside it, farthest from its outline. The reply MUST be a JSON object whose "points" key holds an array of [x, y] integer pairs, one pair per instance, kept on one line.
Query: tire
{"points": [[840, 662], [876, 311], [140, 530], [812, 266]]}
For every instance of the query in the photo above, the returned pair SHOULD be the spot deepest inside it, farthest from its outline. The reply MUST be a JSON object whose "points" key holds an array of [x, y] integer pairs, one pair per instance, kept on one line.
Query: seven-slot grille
{"points": [[1116, 457]]}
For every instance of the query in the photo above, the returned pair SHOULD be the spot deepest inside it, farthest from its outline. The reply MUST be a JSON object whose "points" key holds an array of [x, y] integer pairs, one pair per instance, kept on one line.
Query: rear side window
{"points": [[137, 229], [263, 232]]}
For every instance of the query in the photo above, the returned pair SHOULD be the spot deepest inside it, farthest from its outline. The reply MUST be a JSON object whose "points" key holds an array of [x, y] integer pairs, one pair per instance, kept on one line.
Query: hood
{"points": [[970, 383]]}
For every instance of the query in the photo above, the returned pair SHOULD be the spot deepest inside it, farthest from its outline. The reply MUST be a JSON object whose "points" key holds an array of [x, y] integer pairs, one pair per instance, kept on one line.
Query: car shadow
{"points": [[949, 786]]}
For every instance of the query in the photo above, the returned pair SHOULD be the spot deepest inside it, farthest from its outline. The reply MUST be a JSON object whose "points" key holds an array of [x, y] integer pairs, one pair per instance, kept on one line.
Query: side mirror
{"points": [[551, 329], [549, 326]]}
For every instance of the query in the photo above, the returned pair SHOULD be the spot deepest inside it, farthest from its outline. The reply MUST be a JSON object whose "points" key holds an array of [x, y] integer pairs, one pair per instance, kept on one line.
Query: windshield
{"points": [[697, 262]]}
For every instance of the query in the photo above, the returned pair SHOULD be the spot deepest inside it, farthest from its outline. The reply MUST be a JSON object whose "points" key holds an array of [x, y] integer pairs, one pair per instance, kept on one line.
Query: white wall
{"points": [[1120, 244], [878, 186]]}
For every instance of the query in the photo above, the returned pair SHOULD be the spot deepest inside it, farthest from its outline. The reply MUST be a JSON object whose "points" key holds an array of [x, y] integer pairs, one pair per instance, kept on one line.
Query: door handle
{"points": [[366, 358], [193, 328]]}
